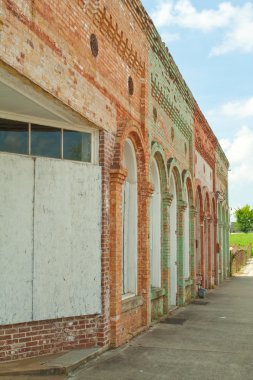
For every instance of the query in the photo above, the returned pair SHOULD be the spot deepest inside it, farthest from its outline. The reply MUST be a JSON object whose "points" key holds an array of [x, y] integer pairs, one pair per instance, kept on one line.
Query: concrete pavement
{"points": [[212, 340], [247, 270], [208, 339]]}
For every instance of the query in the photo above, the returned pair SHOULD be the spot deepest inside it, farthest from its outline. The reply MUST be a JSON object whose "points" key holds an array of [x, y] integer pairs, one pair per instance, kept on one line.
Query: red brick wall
{"points": [[45, 337], [50, 45]]}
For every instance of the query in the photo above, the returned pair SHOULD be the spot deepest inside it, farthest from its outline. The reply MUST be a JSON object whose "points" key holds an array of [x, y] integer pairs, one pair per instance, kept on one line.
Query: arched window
{"points": [[155, 227], [173, 241], [129, 223], [187, 238]]}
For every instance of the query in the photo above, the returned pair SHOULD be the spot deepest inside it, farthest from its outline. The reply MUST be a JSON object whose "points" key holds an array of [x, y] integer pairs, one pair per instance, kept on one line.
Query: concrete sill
{"points": [[131, 303], [188, 282], [157, 293]]}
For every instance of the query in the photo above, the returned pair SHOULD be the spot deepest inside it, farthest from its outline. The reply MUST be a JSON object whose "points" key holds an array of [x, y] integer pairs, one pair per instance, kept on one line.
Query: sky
{"points": [[211, 42]]}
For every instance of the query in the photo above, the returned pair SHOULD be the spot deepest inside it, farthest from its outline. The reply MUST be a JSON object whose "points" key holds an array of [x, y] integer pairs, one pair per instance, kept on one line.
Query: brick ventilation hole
{"points": [[94, 45], [155, 114], [130, 86], [172, 134]]}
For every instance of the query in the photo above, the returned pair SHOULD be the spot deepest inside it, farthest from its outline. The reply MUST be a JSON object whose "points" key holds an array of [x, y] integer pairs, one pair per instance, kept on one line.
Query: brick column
{"points": [[165, 251], [193, 269], [209, 253], [221, 259], [202, 249], [215, 269], [117, 178], [180, 252], [144, 251]]}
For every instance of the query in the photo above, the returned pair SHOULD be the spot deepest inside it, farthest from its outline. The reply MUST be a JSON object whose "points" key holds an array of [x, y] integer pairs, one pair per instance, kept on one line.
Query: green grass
{"points": [[241, 239]]}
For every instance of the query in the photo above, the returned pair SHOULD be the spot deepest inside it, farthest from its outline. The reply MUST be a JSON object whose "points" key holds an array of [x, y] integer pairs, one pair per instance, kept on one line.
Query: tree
{"points": [[244, 217]]}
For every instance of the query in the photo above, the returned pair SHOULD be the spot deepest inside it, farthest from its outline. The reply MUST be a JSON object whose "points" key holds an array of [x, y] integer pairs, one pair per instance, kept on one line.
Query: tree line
{"points": [[244, 218]]}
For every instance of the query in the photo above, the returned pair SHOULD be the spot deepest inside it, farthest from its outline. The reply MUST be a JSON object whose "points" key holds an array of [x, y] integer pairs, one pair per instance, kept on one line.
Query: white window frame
{"points": [[130, 228], [61, 125]]}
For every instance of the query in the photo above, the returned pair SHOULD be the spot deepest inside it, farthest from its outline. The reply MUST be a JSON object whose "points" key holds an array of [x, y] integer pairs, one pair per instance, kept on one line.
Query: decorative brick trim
{"points": [[106, 24]]}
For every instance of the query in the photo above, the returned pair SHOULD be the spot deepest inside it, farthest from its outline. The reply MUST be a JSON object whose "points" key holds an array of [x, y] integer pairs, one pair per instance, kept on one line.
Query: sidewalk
{"points": [[210, 339], [51, 366], [247, 270]]}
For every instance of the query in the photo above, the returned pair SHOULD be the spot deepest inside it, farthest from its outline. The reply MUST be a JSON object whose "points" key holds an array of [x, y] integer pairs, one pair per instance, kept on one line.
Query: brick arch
{"points": [[157, 153], [187, 183], [199, 194], [199, 233], [214, 207], [214, 240], [132, 132], [122, 322], [207, 202], [188, 187], [207, 252], [173, 168]]}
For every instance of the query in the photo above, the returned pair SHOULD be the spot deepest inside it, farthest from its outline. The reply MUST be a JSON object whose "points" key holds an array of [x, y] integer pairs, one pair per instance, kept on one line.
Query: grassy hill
{"points": [[241, 239]]}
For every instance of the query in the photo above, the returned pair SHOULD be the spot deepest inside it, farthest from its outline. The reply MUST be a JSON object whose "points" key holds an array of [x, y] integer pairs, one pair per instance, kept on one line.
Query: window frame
{"points": [[62, 126], [131, 255]]}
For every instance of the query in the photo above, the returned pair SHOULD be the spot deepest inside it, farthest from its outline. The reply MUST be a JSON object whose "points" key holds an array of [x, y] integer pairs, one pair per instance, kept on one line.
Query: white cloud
{"points": [[225, 144], [239, 153], [170, 37], [183, 14], [237, 22], [239, 36], [239, 109]]}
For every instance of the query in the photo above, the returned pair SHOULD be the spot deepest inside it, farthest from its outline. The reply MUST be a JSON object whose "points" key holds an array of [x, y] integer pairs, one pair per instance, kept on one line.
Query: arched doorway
{"points": [[155, 226], [129, 221], [173, 241], [198, 242], [207, 256], [213, 245], [187, 237]]}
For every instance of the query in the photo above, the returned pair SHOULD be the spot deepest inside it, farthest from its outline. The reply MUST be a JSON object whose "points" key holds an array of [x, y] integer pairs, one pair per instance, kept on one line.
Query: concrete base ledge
{"points": [[56, 364], [157, 293], [131, 303]]}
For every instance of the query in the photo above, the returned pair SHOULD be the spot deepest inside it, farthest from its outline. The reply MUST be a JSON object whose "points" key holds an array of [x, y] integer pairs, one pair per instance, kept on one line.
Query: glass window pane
{"points": [[76, 146], [45, 141], [13, 136]]}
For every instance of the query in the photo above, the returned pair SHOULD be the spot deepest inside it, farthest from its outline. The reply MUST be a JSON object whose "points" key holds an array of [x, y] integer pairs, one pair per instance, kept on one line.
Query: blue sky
{"points": [[211, 41]]}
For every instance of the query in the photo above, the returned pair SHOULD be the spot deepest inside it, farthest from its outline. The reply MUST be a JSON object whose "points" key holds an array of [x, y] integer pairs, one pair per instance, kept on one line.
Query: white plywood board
{"points": [[16, 238], [67, 233]]}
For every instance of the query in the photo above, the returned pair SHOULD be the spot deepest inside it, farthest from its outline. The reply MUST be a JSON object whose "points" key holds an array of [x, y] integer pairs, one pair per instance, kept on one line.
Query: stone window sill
{"points": [[131, 302], [188, 281], [157, 293]]}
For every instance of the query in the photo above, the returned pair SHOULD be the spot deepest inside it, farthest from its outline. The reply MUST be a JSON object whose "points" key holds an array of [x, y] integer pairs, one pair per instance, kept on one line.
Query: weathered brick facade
{"points": [[104, 62]]}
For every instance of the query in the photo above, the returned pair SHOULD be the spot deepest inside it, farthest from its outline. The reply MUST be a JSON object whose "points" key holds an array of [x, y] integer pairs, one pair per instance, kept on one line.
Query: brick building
{"points": [[114, 193]]}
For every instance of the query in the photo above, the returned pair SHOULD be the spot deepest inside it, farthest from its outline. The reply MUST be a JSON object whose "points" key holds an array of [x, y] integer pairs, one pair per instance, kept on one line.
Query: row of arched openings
{"points": [[196, 253]]}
